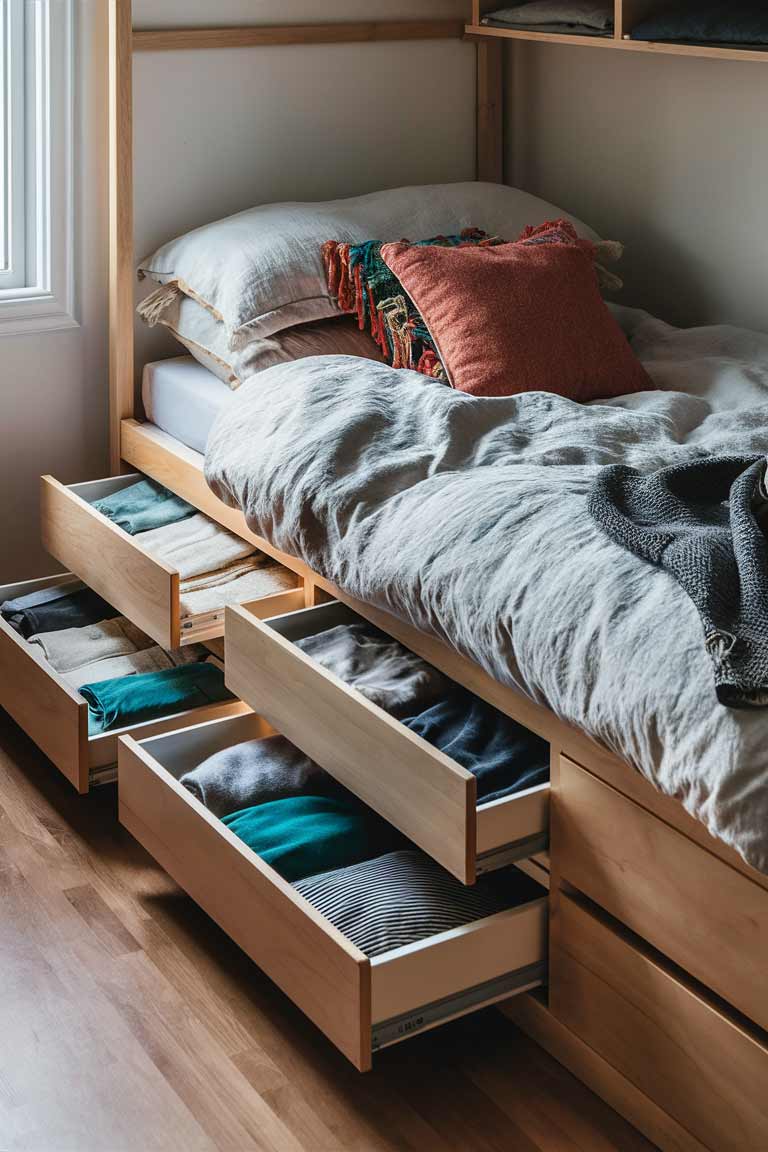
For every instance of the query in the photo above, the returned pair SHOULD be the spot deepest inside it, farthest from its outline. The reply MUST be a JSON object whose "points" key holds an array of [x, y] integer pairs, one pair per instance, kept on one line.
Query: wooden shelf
{"points": [[629, 13]]}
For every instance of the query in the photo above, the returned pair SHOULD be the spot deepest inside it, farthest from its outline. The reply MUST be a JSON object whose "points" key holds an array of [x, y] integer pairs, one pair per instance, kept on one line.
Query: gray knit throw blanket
{"points": [[701, 522]]}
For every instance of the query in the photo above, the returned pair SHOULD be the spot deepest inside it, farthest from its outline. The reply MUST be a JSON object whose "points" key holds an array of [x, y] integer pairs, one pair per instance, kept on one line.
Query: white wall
{"points": [[53, 387], [668, 154]]}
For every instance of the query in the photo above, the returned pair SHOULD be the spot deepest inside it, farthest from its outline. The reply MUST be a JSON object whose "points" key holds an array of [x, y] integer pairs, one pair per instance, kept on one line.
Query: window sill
{"points": [[22, 314]]}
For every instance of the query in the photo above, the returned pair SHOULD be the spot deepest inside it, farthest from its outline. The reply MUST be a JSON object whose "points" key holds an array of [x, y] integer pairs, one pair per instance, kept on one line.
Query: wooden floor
{"points": [[130, 1023]]}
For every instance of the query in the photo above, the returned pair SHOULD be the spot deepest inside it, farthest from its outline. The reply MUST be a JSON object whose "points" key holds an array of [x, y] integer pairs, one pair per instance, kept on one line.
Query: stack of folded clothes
{"points": [[215, 566], [122, 674], [729, 22], [572, 17]]}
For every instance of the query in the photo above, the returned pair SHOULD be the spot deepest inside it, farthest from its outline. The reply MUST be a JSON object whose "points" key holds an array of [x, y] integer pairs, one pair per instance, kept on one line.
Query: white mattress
{"points": [[183, 398]]}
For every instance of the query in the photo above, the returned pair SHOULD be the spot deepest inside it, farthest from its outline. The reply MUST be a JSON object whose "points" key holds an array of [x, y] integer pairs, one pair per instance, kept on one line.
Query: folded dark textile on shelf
{"points": [[503, 755], [707, 22], [701, 523], [63, 608], [303, 835], [403, 897], [143, 506], [379, 667], [72, 648], [138, 699], [545, 15], [257, 772]]}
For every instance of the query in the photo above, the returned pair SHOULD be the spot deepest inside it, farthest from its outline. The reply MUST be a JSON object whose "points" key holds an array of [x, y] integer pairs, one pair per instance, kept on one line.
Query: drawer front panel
{"points": [[678, 1048], [360, 1004], [110, 561], [665, 887]]}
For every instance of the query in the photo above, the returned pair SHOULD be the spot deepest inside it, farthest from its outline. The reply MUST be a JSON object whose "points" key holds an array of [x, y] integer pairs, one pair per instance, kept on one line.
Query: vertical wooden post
{"points": [[121, 384], [490, 97]]}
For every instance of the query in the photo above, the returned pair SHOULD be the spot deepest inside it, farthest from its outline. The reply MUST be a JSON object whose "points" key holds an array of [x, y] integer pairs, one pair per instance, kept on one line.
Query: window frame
{"points": [[38, 137]]}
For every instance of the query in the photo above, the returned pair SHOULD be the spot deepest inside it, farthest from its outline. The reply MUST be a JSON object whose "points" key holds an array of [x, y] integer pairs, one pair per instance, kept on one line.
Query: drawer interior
{"points": [[421, 790], [55, 715], [127, 574], [362, 1003]]}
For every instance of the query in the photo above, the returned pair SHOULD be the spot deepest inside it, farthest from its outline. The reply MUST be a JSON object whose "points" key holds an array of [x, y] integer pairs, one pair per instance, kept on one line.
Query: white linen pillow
{"points": [[206, 338], [261, 271]]}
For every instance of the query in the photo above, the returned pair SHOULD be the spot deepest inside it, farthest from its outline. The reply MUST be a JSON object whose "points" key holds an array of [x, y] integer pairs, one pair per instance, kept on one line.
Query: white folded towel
{"points": [[148, 660], [194, 546], [242, 585], [72, 648]]}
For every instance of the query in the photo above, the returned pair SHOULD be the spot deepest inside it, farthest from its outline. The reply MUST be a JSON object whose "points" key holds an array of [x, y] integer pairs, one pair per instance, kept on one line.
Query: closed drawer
{"points": [[667, 888], [682, 1050], [361, 1004], [115, 565], [424, 793], [55, 716]]}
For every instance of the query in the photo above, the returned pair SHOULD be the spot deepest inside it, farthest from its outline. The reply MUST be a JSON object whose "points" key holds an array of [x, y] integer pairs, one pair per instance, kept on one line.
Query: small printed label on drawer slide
{"points": [[471, 999]]}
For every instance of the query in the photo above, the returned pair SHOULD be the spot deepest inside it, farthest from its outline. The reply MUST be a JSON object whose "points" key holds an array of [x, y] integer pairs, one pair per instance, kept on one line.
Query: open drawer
{"points": [[55, 716], [361, 1004], [115, 565], [423, 792]]}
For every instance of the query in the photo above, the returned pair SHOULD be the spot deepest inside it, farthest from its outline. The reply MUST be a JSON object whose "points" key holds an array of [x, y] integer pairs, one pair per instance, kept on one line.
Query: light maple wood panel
{"points": [[121, 262], [110, 561], [480, 32], [266, 36], [701, 913], [677, 1047]]}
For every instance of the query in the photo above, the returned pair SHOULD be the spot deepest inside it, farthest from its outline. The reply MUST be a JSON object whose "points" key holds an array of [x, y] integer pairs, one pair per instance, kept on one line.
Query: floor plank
{"points": [[130, 1023]]}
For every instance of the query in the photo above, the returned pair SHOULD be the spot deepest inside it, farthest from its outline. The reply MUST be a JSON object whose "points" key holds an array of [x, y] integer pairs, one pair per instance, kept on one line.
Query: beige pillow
{"points": [[205, 338]]}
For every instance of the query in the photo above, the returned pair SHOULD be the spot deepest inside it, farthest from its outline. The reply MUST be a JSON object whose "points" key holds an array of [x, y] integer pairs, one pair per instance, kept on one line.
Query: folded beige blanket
{"points": [[234, 585], [148, 660], [72, 648], [194, 546]]}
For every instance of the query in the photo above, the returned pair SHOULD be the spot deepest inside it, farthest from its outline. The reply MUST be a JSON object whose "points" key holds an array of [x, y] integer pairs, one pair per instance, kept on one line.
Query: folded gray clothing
{"points": [[72, 648], [237, 584], [115, 667], [257, 772], [194, 546], [589, 13], [404, 897], [379, 668]]}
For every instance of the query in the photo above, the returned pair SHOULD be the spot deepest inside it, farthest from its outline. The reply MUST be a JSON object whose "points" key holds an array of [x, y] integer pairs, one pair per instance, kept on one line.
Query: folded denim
{"points": [[144, 506], [74, 609]]}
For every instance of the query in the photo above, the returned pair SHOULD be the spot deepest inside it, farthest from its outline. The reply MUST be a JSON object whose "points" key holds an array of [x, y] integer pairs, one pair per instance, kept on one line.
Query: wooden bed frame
{"points": [[637, 855]]}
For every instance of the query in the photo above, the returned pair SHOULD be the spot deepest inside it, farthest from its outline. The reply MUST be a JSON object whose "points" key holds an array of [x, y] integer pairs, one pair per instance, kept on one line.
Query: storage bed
{"points": [[654, 993]]}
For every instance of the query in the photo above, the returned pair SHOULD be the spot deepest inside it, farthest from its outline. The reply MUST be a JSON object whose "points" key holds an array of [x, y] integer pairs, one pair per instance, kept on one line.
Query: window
{"points": [[36, 289]]}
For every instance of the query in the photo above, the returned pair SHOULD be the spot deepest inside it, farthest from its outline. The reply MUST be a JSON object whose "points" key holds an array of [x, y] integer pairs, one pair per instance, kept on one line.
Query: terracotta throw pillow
{"points": [[520, 317]]}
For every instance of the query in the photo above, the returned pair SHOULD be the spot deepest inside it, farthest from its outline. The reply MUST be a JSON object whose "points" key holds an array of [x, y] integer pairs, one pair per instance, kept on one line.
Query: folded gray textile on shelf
{"points": [[557, 13], [379, 668], [194, 546], [72, 648], [256, 772], [115, 667], [403, 897], [700, 523], [245, 580]]}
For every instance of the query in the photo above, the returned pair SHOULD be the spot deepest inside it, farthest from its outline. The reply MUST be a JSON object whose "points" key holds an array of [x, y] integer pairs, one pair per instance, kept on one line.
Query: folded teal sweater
{"points": [[150, 695], [143, 506], [303, 835]]}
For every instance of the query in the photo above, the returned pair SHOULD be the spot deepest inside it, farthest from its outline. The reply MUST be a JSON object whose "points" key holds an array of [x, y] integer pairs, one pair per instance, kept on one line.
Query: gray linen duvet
{"points": [[467, 517]]}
